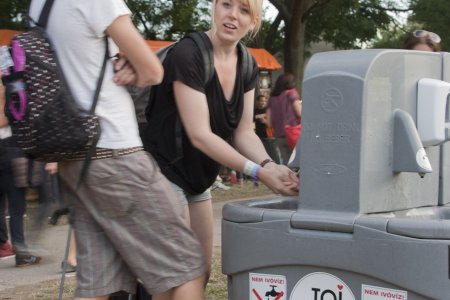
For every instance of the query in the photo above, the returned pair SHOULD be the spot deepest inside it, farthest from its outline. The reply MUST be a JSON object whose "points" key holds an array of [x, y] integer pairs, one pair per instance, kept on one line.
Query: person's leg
{"points": [[6, 249], [16, 207], [45, 200], [141, 218], [202, 224], [16, 201], [3, 184], [100, 269], [3, 227], [191, 290], [199, 216], [285, 151], [5, 246]]}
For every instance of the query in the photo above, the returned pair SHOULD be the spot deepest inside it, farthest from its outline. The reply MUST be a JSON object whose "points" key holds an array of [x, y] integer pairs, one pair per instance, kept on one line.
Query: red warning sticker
{"points": [[370, 292], [267, 287]]}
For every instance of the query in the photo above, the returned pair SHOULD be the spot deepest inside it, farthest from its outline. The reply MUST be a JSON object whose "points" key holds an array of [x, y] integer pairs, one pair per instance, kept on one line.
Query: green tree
{"points": [[394, 37], [168, 20], [344, 23], [12, 14]]}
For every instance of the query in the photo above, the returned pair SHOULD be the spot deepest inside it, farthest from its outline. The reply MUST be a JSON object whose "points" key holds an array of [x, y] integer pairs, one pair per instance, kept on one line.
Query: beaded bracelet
{"points": [[265, 162]]}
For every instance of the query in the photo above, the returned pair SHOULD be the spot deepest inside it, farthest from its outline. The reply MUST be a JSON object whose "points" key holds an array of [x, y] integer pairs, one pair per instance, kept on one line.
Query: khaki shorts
{"points": [[129, 225], [186, 198]]}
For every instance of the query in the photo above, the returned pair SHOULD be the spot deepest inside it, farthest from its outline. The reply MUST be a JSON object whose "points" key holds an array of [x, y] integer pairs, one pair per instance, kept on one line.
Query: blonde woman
{"points": [[217, 118]]}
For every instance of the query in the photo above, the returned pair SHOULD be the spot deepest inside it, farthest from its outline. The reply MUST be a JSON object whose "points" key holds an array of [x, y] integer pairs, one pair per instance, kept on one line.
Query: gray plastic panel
{"points": [[418, 266], [323, 221], [422, 229], [444, 195], [258, 210], [347, 134]]}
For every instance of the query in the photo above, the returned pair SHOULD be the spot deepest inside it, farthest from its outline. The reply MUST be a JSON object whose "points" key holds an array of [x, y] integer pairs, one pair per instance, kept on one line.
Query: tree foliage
{"points": [[12, 13], [344, 23], [168, 20]]}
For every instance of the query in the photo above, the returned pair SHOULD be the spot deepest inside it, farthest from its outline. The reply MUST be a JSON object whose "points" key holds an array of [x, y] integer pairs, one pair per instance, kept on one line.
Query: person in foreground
{"points": [[217, 118], [128, 220], [422, 40]]}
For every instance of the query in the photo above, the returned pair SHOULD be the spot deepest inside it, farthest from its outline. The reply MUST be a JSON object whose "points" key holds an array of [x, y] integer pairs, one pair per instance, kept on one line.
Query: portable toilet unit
{"points": [[371, 221]]}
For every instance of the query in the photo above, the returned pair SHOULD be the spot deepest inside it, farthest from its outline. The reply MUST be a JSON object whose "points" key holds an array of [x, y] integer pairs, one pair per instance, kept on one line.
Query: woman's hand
{"points": [[280, 179], [124, 72]]}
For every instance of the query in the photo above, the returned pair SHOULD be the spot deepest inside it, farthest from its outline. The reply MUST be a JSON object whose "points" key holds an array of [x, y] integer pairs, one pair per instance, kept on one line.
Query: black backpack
{"points": [[45, 120], [144, 99]]}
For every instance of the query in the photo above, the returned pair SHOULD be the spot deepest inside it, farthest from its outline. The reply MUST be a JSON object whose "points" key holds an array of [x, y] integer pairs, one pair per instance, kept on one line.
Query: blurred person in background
{"points": [[422, 40], [284, 108], [11, 196]]}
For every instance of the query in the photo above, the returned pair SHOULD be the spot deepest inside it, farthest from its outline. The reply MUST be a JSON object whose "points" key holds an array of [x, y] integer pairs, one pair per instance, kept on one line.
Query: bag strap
{"points": [[43, 21], [204, 44], [247, 63], [101, 76], [92, 148], [45, 13]]}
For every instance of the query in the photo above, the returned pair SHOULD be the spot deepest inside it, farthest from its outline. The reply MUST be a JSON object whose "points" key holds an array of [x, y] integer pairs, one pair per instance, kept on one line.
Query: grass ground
{"points": [[217, 286]]}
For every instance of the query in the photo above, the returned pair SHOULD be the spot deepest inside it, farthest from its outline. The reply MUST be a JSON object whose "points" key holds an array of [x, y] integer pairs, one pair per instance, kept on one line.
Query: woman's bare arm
{"points": [[195, 118]]}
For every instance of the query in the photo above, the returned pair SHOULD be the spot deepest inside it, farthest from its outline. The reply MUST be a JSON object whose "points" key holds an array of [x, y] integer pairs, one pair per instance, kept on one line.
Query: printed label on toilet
{"points": [[321, 286], [369, 292], [267, 286]]}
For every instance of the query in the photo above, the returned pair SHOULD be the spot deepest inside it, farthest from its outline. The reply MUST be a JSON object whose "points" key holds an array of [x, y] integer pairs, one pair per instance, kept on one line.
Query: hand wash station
{"points": [[372, 221]]}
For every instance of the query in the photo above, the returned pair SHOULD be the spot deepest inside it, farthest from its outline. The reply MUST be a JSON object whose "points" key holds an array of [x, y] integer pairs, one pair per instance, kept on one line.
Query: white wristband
{"points": [[251, 169]]}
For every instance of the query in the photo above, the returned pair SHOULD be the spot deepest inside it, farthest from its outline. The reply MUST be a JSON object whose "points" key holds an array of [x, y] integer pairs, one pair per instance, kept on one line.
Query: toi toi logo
{"points": [[327, 294], [321, 286]]}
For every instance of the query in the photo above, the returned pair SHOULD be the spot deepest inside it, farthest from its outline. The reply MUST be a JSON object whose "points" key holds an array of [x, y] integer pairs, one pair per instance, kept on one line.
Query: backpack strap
{"points": [[92, 147], [100, 78], [204, 44], [247, 63], [43, 18]]}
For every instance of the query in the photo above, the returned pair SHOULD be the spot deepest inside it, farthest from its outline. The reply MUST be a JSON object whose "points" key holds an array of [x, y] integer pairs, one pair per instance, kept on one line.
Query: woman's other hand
{"points": [[124, 73], [280, 179]]}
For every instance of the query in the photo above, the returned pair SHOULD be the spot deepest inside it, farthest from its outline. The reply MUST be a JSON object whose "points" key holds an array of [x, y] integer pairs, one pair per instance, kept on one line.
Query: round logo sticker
{"points": [[321, 286]]}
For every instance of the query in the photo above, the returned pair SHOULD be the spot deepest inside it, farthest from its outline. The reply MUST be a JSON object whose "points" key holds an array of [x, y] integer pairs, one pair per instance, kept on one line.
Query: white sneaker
{"points": [[219, 185]]}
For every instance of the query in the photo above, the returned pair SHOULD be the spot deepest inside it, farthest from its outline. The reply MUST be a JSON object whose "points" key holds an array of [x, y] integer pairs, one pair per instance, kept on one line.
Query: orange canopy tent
{"points": [[6, 35], [264, 59]]}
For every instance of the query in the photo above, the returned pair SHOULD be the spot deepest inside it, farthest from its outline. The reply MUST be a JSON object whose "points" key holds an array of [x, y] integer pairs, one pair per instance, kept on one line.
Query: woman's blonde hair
{"points": [[255, 8]]}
